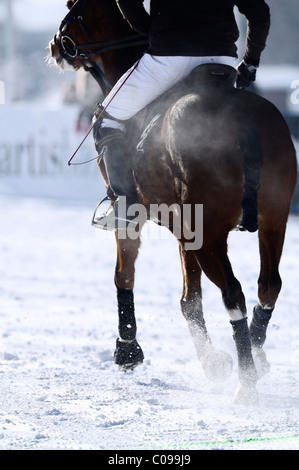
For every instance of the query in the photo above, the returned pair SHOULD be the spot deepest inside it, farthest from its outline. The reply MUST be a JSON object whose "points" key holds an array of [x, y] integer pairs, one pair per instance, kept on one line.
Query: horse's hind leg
{"points": [[128, 353], [269, 284], [216, 364], [216, 265]]}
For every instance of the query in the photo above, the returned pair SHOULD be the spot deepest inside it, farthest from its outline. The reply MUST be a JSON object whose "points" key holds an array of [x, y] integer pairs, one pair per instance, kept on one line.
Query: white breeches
{"points": [[152, 76]]}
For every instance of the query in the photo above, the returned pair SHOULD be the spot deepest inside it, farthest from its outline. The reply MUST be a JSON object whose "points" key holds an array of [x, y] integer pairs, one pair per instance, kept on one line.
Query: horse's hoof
{"points": [[218, 365], [128, 354], [246, 396]]}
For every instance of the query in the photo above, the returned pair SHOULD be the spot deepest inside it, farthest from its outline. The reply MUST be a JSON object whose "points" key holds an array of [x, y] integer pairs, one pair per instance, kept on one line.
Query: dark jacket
{"points": [[199, 27]]}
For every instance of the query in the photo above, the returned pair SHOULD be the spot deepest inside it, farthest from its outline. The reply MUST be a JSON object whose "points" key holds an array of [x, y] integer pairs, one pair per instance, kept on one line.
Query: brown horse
{"points": [[194, 152]]}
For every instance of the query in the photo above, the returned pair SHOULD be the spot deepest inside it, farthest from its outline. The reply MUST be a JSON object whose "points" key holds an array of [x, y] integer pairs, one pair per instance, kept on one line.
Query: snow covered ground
{"points": [[59, 386]]}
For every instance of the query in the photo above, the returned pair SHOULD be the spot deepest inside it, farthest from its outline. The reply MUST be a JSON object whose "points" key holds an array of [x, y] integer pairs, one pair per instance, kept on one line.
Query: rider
{"points": [[182, 35]]}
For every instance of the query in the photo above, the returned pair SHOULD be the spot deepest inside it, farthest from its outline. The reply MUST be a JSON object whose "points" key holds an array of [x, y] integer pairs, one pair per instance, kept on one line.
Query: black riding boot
{"points": [[113, 148], [249, 220], [252, 164]]}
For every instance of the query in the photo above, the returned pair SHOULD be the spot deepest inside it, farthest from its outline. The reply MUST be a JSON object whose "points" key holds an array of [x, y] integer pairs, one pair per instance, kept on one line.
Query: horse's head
{"points": [[90, 35], [75, 42]]}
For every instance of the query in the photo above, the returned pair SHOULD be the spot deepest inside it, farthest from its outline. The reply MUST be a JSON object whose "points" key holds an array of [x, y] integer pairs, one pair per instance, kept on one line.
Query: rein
{"points": [[97, 120], [68, 48], [103, 46]]}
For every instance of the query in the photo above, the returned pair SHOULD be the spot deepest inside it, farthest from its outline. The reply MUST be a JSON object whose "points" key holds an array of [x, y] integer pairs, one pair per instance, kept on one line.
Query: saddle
{"points": [[213, 74]]}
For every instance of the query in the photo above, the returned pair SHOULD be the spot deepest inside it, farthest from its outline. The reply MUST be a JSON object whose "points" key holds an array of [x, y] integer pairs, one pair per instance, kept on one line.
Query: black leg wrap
{"points": [[128, 354], [259, 324], [247, 371], [126, 314]]}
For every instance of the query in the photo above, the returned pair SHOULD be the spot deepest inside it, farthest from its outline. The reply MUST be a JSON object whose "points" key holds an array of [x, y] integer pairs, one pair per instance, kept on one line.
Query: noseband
{"points": [[69, 49]]}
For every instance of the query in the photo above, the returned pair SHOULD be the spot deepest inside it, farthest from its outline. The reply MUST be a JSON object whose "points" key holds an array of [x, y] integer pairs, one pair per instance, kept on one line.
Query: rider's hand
{"points": [[246, 75]]}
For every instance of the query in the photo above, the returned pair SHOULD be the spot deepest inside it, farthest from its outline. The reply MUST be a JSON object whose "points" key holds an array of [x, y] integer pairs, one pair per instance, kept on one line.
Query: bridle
{"points": [[69, 50]]}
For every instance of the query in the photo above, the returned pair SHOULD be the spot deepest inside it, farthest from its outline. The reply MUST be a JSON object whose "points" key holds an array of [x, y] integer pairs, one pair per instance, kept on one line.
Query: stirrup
{"points": [[95, 218], [112, 221]]}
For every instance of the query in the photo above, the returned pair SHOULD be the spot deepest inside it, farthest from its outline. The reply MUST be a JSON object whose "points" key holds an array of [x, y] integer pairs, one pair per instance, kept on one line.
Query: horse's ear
{"points": [[69, 4]]}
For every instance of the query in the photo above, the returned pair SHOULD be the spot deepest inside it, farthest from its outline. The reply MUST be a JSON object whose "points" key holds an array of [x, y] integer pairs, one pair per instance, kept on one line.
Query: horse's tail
{"points": [[250, 144]]}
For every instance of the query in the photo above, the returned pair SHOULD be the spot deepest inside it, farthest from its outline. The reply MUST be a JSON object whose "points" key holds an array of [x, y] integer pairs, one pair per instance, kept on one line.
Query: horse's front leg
{"points": [[191, 302], [128, 353]]}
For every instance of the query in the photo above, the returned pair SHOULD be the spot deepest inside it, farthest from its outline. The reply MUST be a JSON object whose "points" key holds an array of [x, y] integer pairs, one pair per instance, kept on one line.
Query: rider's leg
{"points": [[152, 76], [112, 147]]}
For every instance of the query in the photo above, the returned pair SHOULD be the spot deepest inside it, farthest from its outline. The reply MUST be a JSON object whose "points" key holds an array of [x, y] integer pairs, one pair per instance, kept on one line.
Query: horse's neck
{"points": [[117, 62]]}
